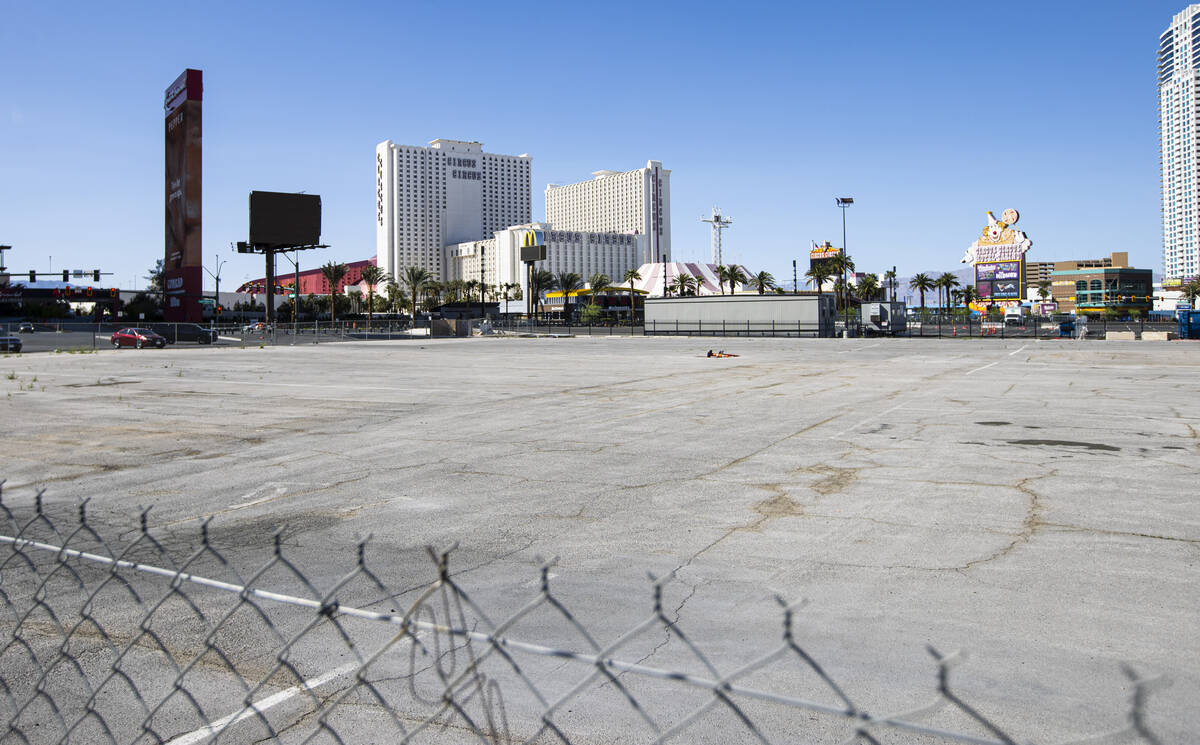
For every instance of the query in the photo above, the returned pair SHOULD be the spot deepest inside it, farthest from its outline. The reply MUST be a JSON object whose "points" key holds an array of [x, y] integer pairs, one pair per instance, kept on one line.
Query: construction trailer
{"points": [[886, 318]]}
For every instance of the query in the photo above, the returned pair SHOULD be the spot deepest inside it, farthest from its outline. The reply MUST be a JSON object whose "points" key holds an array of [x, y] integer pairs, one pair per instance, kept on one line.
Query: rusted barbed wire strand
{"points": [[448, 635]]}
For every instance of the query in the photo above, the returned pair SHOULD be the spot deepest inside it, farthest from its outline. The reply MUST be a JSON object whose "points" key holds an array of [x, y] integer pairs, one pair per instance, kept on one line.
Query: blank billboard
{"points": [[281, 219]]}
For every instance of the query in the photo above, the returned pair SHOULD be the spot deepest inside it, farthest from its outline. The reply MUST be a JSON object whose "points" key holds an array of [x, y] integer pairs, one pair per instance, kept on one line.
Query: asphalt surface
{"points": [[1033, 502]]}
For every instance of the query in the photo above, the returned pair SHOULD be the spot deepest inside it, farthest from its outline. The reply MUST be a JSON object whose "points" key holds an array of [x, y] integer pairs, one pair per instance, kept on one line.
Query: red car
{"points": [[137, 338]]}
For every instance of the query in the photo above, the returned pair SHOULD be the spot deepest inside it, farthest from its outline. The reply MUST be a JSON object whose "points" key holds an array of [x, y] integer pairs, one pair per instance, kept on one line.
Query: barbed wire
{"points": [[113, 640]]}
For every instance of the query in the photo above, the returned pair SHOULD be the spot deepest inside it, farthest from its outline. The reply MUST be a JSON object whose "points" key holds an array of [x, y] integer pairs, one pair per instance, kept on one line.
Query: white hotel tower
{"points": [[1179, 133], [447, 193], [618, 202]]}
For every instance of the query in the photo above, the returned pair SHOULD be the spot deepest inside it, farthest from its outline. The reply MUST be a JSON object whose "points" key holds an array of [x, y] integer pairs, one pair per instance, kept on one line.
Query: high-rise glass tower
{"points": [[1179, 130]]}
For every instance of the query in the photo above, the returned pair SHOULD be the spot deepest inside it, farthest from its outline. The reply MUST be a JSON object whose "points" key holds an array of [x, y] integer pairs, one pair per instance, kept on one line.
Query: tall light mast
{"points": [[718, 223]]}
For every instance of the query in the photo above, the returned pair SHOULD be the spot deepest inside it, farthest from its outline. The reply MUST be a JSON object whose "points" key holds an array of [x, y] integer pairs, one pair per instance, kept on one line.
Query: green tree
{"points": [[723, 277], [922, 283], [395, 297], [817, 275], [735, 276], [1191, 291], [842, 264], [541, 281], [334, 274], [567, 282], [599, 282], [686, 284], [154, 281], [868, 287], [945, 282], [1043, 290], [969, 295], [415, 278], [631, 276], [372, 277], [762, 282]]}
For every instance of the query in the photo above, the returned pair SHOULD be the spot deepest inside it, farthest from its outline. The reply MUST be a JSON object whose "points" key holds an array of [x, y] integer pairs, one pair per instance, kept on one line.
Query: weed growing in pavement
{"points": [[12, 375]]}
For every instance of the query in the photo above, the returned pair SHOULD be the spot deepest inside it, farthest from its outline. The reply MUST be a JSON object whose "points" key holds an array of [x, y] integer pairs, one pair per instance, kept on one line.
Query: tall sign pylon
{"points": [[719, 223]]}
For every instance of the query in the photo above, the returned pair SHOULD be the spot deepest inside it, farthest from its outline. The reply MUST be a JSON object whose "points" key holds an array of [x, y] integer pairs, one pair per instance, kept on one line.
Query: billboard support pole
{"points": [[270, 288]]}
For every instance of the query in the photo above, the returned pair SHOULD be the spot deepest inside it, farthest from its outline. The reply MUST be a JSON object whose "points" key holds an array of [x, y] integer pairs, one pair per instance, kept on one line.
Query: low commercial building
{"points": [[778, 315], [1100, 285]]}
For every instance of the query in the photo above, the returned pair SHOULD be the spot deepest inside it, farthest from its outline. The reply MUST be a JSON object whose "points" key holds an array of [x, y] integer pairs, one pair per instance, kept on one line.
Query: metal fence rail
{"points": [[121, 634]]}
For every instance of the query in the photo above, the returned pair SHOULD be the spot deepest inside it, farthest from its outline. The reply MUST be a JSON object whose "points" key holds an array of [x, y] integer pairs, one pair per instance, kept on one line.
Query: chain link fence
{"points": [[114, 632]]}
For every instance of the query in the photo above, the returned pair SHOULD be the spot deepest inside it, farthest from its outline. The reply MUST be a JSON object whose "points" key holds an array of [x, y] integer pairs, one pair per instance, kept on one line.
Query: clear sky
{"points": [[927, 113]]}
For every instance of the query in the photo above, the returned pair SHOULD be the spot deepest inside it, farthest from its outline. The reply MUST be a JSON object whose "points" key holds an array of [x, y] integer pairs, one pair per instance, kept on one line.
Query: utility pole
{"points": [[844, 203], [795, 279]]}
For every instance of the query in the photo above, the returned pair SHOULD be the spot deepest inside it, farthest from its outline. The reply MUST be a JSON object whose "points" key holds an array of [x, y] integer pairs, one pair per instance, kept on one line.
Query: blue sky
{"points": [[927, 113]]}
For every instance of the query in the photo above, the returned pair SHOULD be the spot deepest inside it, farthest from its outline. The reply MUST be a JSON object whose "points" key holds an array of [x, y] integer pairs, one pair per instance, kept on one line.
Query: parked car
{"points": [[137, 337], [10, 344], [174, 332], [25, 328]]}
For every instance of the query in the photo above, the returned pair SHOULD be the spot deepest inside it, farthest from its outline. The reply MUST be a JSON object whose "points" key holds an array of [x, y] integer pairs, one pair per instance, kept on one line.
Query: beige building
{"points": [[636, 202]]}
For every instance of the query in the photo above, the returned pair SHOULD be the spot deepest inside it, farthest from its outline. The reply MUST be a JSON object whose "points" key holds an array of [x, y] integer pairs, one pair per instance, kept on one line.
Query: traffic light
{"points": [[96, 275], [32, 275], [66, 275], [219, 309]]}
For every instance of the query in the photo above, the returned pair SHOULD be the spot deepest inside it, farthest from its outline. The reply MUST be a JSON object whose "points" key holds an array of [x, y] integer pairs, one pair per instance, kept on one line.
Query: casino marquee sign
{"points": [[998, 257]]}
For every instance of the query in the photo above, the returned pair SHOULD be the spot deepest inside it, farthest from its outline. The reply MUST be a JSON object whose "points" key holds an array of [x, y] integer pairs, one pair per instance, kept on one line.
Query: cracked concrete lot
{"points": [[1031, 502]]}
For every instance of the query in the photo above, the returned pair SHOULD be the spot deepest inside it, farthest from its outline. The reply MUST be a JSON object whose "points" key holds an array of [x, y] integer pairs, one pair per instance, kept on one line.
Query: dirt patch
{"points": [[779, 505], [833, 479]]}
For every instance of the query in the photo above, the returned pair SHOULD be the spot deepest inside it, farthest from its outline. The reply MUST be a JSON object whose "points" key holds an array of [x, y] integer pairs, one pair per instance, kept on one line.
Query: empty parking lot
{"points": [[1030, 501]]}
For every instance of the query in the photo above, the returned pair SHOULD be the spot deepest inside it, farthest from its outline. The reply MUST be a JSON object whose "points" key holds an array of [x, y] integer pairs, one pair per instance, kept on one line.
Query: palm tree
{"points": [[469, 287], [968, 295], [736, 276], [541, 281], [567, 282], [946, 281], [333, 274], [890, 276], [1043, 290], [631, 276], [868, 287], [722, 275], [922, 284], [762, 282], [686, 284], [600, 283], [842, 264], [372, 276], [817, 275], [416, 278], [395, 297]]}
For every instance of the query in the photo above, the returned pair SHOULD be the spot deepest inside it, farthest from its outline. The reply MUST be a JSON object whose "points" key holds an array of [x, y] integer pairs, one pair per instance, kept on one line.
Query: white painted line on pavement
{"points": [[260, 706], [983, 368], [1010, 354]]}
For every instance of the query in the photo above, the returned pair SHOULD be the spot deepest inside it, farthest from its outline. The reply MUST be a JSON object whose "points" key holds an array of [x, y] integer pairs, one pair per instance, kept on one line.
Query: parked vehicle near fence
{"points": [[174, 332], [137, 338], [10, 344]]}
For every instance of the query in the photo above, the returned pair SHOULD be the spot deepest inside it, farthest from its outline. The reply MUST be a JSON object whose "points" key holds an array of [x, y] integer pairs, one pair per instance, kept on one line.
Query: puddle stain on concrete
{"points": [[1067, 444]]}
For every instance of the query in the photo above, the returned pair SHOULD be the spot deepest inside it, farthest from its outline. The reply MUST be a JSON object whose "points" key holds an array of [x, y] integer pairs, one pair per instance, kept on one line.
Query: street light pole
{"points": [[843, 203], [216, 279]]}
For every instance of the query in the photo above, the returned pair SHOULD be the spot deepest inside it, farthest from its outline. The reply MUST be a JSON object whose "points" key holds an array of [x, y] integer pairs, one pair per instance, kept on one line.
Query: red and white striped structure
{"points": [[656, 276]]}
